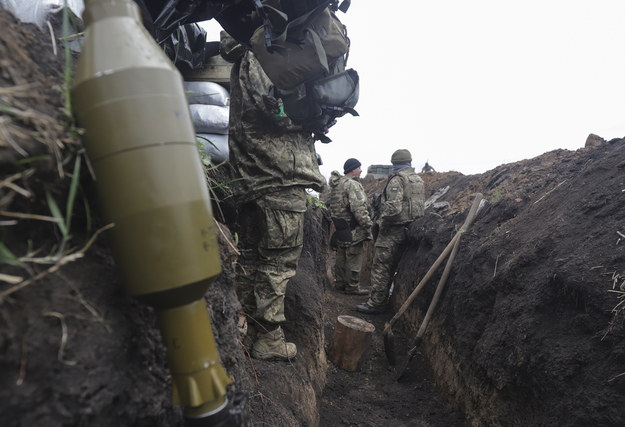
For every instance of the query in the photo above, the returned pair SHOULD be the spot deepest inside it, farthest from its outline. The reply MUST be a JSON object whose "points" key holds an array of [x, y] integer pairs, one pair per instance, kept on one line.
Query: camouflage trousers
{"points": [[347, 266], [271, 230], [387, 251]]}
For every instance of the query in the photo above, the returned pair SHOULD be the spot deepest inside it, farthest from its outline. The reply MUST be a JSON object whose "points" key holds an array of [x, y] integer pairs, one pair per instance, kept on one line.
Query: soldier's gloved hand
{"points": [[274, 105], [271, 103]]}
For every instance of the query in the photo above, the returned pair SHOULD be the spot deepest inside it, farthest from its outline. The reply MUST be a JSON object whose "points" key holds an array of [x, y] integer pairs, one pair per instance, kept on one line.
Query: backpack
{"points": [[304, 55], [414, 197]]}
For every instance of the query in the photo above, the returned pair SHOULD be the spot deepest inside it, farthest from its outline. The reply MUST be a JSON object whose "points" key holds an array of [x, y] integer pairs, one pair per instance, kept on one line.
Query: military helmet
{"points": [[401, 156]]}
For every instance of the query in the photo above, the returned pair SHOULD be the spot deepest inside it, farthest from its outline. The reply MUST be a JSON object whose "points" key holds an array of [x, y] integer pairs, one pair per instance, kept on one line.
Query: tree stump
{"points": [[351, 340]]}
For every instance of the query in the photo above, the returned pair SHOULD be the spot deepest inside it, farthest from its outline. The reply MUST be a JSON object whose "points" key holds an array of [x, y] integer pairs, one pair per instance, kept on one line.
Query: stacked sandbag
{"points": [[209, 104], [38, 11]]}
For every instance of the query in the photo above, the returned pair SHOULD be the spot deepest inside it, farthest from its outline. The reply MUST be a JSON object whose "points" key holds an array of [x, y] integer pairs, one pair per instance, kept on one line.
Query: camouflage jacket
{"points": [[267, 150], [348, 201], [403, 198]]}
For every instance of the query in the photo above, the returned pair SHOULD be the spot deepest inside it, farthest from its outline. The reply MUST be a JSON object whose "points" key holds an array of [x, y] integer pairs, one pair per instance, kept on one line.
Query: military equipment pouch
{"points": [[298, 51], [343, 232], [316, 105]]}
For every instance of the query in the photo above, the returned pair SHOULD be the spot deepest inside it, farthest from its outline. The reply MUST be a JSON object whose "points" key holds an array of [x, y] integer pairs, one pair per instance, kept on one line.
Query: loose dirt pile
{"points": [[528, 331]]}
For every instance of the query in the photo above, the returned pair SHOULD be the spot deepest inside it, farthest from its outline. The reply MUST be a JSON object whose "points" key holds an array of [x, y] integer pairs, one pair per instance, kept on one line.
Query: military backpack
{"points": [[303, 48]]}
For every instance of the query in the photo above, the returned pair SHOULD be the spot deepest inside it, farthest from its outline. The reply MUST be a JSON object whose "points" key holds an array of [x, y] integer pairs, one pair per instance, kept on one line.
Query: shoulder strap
{"points": [[275, 20], [272, 19]]}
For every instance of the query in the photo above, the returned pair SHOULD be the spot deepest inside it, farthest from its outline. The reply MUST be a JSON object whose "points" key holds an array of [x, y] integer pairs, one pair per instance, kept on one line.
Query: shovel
{"points": [[387, 333], [441, 284]]}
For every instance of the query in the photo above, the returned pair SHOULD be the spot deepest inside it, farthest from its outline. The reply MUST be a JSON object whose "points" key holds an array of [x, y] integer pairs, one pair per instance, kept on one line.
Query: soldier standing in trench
{"points": [[348, 206], [402, 202], [275, 162]]}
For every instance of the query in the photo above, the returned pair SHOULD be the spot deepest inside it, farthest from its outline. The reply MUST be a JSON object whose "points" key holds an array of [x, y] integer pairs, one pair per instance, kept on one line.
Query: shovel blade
{"points": [[402, 368]]}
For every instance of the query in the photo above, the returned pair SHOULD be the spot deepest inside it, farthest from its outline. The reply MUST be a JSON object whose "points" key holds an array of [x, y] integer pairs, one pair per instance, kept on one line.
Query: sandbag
{"points": [[37, 11], [210, 118], [207, 93], [215, 146]]}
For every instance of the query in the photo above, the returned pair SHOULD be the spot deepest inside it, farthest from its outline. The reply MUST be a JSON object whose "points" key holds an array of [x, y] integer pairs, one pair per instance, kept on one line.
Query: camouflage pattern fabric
{"points": [[274, 161], [267, 150], [347, 267], [402, 202], [403, 198], [386, 255], [271, 231], [348, 201]]}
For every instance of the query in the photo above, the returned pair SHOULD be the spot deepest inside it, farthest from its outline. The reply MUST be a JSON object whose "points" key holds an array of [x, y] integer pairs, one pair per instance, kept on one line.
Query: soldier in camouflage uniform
{"points": [[402, 202], [348, 206], [274, 161]]}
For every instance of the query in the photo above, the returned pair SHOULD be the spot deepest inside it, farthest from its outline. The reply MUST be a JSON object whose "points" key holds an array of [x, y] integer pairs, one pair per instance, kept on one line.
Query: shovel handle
{"points": [[437, 263], [450, 261]]}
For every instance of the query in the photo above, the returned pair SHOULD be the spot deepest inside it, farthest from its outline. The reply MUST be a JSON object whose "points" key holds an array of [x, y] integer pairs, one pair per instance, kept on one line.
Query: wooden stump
{"points": [[351, 340]]}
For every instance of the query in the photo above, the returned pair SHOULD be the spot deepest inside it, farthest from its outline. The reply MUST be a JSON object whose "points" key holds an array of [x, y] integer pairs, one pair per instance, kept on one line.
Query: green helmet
{"points": [[401, 156]]}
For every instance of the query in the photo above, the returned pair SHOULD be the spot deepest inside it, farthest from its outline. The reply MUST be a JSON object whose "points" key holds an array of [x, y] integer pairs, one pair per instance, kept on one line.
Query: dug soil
{"points": [[528, 330]]}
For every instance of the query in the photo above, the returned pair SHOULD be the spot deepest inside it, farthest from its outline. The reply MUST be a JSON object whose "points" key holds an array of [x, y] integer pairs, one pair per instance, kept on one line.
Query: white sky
{"points": [[469, 86]]}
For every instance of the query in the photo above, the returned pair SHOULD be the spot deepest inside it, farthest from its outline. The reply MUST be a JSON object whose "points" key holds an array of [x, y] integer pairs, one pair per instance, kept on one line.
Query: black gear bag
{"points": [[304, 55]]}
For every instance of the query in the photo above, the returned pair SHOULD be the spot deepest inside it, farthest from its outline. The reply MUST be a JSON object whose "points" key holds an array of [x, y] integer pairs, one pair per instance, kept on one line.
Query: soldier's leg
{"points": [[278, 253], [275, 268], [340, 269], [385, 258], [354, 255], [381, 275], [248, 229]]}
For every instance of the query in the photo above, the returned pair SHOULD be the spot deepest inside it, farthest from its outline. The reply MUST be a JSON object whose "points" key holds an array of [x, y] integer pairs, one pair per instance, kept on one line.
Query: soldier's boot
{"points": [[355, 290], [367, 308], [339, 286], [273, 345]]}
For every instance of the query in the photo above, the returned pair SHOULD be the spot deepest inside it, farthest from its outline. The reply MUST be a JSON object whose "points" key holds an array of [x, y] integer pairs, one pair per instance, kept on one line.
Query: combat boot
{"points": [[355, 290], [273, 345], [371, 309], [339, 286]]}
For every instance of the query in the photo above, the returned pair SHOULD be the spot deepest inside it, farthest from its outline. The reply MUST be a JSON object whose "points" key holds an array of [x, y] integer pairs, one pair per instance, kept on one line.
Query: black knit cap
{"points": [[350, 165]]}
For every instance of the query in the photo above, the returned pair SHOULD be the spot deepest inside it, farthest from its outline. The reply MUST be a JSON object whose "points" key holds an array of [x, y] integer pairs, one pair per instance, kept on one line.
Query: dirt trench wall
{"points": [[525, 332], [74, 350]]}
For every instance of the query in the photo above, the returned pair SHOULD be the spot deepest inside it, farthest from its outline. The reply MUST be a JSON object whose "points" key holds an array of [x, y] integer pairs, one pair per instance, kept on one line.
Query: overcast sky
{"points": [[469, 86]]}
